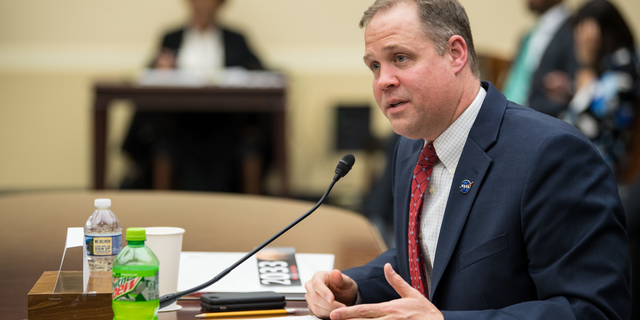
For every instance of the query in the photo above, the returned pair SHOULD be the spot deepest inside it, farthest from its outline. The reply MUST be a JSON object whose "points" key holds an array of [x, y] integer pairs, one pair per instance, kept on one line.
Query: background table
{"points": [[34, 226], [190, 99]]}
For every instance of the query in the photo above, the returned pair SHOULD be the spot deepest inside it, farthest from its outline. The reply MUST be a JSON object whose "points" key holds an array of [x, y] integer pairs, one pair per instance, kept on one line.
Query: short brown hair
{"points": [[442, 19]]}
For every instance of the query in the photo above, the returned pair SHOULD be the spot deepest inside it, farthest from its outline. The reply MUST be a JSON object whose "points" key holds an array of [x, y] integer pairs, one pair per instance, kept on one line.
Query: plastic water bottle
{"points": [[136, 291], [103, 236]]}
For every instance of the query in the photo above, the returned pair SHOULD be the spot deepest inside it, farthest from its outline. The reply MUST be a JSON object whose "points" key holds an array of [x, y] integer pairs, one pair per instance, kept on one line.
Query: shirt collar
{"points": [[208, 33], [450, 143]]}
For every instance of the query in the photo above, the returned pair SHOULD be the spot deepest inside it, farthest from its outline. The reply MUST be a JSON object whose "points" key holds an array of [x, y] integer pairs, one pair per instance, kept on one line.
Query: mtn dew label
{"points": [[135, 287]]}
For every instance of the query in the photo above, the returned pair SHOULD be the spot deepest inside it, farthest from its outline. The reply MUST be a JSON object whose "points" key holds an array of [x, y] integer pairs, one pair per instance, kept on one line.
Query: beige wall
{"points": [[52, 51]]}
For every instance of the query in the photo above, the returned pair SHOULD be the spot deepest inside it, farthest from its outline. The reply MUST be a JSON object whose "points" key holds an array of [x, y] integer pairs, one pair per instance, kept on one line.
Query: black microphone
{"points": [[344, 165]]}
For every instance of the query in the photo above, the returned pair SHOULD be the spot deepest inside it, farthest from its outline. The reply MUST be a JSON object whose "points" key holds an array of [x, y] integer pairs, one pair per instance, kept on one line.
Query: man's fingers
{"points": [[327, 308], [319, 297], [336, 278], [336, 283], [402, 287], [320, 307], [327, 291], [319, 285], [359, 311], [344, 288]]}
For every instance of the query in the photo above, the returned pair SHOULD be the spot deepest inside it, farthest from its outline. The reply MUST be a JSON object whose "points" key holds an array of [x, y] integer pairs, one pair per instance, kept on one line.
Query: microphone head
{"points": [[344, 165]]}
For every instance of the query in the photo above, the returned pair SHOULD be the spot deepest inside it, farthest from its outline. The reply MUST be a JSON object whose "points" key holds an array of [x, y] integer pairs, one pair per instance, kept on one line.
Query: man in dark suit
{"points": [[201, 152], [501, 212], [541, 74], [236, 50], [203, 24]]}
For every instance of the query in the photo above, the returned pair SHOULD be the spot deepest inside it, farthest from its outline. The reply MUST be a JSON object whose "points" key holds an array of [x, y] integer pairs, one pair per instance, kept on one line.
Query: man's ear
{"points": [[458, 51]]}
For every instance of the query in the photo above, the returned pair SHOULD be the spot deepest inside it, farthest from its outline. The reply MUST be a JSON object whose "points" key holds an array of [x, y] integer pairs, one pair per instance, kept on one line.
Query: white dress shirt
{"points": [[448, 147], [201, 51]]}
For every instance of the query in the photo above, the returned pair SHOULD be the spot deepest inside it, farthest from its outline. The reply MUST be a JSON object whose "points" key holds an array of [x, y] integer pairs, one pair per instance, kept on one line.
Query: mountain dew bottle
{"points": [[135, 280]]}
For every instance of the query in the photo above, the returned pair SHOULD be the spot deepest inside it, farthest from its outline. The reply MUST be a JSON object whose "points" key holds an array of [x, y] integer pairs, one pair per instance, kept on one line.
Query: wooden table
{"points": [[45, 305], [34, 226], [190, 99]]}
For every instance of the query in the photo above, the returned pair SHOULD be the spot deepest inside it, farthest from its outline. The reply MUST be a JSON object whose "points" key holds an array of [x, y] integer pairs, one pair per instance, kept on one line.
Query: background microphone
{"points": [[344, 165]]}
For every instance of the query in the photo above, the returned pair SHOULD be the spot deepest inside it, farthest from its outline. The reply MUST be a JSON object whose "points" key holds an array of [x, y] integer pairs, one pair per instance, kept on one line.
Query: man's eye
{"points": [[401, 58], [375, 66]]}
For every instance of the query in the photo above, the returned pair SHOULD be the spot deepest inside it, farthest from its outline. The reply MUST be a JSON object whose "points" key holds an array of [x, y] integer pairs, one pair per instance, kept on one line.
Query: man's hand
{"points": [[557, 86], [328, 291], [412, 304], [165, 60]]}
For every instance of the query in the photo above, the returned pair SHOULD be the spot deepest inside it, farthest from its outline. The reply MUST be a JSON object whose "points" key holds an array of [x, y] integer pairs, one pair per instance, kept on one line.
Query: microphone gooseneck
{"points": [[344, 165]]}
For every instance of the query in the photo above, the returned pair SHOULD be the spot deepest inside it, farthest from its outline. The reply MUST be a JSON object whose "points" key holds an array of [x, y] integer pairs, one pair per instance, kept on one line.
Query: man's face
{"points": [[203, 11], [413, 85]]}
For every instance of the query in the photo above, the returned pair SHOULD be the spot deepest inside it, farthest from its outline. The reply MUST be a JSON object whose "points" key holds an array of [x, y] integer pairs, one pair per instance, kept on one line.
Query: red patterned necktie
{"points": [[421, 177]]}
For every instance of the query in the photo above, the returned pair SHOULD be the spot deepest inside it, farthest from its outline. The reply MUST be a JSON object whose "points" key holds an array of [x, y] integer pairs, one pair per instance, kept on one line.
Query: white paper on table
{"points": [[199, 267], [75, 238]]}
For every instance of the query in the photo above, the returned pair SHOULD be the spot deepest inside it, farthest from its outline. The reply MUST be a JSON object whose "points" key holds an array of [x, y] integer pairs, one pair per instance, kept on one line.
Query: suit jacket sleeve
{"points": [[172, 40], [372, 285], [238, 53]]}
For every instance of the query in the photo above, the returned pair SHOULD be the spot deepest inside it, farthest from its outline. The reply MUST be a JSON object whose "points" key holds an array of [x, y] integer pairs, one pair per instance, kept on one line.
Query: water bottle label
{"points": [[132, 288], [103, 245]]}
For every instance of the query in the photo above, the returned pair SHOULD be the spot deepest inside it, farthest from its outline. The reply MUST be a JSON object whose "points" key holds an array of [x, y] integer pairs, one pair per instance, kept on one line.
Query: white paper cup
{"points": [[166, 244]]}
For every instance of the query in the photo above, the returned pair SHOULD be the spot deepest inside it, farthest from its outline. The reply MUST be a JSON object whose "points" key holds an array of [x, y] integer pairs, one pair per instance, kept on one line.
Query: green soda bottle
{"points": [[136, 291]]}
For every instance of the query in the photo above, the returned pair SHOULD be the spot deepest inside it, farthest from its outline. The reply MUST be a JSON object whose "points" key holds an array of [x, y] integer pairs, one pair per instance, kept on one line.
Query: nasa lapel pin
{"points": [[465, 186]]}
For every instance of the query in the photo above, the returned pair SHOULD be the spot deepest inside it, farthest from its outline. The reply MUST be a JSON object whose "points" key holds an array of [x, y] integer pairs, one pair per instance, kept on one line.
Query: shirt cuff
{"points": [[358, 298]]}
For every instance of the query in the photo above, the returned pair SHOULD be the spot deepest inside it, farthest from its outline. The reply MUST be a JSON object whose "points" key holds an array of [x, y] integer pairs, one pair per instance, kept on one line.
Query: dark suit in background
{"points": [[540, 235], [525, 83], [236, 50], [206, 149], [559, 56]]}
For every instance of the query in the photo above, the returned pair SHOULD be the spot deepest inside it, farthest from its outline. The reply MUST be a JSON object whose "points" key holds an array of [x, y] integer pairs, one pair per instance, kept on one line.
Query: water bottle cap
{"points": [[136, 234], [102, 203]]}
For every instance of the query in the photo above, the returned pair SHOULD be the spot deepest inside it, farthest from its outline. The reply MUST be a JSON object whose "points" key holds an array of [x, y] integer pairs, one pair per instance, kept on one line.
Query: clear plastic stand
{"points": [[75, 238], [68, 294]]}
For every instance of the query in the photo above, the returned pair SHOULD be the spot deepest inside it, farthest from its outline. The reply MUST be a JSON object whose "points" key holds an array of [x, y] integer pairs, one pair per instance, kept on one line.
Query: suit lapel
{"points": [[473, 165]]}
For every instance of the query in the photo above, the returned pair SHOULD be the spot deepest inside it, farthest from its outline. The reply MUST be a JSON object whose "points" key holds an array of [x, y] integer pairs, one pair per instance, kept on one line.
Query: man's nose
{"points": [[387, 79]]}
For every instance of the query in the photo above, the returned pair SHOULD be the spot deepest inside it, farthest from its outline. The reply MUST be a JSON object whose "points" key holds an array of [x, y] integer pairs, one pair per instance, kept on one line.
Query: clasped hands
{"points": [[332, 295]]}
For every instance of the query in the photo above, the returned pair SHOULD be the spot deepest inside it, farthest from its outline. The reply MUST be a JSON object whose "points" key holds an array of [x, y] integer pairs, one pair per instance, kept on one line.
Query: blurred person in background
{"points": [[604, 106], [547, 47], [200, 151], [203, 44], [606, 81]]}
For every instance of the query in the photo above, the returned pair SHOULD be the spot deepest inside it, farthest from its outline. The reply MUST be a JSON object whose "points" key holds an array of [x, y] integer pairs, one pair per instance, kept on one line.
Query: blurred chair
{"points": [[493, 69]]}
